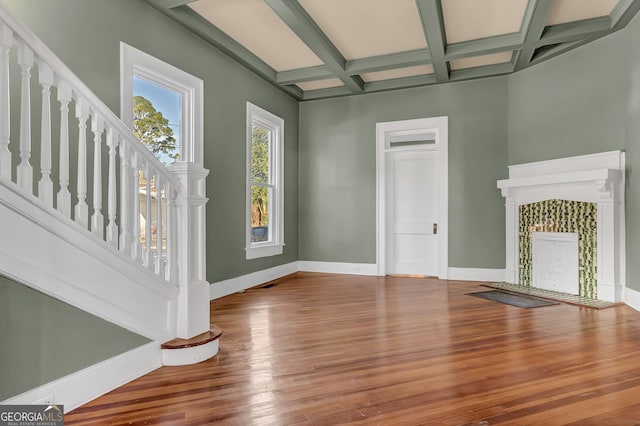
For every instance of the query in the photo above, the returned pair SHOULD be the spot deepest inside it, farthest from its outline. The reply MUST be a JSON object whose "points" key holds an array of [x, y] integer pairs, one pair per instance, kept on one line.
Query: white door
{"points": [[412, 213]]}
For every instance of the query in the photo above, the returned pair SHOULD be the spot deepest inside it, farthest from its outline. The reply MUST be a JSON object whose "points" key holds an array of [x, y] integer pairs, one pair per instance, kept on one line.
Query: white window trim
{"points": [[134, 62], [276, 219]]}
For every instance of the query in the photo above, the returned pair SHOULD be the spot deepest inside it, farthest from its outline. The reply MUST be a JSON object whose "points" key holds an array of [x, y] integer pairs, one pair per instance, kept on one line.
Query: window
{"points": [[177, 95], [156, 119], [265, 194], [163, 106]]}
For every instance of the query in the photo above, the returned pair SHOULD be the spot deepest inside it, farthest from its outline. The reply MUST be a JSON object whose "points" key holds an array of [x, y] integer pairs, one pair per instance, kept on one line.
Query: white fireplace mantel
{"points": [[594, 178]]}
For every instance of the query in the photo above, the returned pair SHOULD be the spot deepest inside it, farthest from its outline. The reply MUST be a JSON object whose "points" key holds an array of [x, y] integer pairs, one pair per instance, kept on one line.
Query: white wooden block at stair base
{"points": [[192, 355]]}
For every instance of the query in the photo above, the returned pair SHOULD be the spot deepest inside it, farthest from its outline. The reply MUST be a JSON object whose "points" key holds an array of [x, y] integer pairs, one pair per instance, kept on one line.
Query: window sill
{"points": [[264, 251]]}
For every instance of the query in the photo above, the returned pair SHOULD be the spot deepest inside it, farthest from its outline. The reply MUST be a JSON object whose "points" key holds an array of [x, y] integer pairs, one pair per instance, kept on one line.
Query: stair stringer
{"points": [[44, 250]]}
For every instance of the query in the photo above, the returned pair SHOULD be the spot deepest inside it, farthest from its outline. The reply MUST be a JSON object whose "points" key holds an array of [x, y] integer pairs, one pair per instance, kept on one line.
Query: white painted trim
{"points": [[270, 121], [602, 160], [134, 62], [89, 383], [476, 274], [338, 267], [632, 298], [191, 355], [439, 126], [234, 285], [78, 268]]}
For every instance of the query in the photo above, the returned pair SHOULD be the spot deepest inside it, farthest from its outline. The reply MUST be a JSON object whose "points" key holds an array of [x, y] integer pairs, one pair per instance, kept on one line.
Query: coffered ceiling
{"points": [[316, 49]]}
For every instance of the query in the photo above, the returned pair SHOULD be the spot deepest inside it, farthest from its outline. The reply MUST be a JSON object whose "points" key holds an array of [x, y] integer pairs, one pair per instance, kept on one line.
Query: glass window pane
{"points": [[260, 144], [260, 213], [156, 119]]}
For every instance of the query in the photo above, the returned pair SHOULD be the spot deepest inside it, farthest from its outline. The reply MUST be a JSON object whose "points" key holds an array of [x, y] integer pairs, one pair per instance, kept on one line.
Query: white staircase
{"points": [[71, 176]]}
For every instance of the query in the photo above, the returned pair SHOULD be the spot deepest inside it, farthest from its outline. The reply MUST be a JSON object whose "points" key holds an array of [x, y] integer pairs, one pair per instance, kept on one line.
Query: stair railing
{"points": [[134, 177]]}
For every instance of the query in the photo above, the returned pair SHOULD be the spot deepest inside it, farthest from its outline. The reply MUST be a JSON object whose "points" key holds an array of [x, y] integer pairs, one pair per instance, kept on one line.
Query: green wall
{"points": [[632, 34], [573, 104], [337, 200], [44, 339], [86, 34]]}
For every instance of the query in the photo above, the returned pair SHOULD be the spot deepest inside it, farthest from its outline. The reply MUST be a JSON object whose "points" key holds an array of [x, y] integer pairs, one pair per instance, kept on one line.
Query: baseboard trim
{"points": [[233, 285], [632, 298], [476, 274], [89, 383], [338, 267]]}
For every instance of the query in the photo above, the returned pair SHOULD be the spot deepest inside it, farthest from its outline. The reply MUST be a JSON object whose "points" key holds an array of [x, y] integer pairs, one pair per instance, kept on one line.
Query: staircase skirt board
{"points": [[54, 255]]}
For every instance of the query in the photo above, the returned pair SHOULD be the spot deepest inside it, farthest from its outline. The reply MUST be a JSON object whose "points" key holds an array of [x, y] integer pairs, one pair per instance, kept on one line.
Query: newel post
{"points": [[193, 298]]}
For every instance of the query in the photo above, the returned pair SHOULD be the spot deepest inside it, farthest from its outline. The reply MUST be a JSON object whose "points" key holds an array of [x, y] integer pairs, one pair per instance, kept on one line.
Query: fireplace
{"points": [[583, 196]]}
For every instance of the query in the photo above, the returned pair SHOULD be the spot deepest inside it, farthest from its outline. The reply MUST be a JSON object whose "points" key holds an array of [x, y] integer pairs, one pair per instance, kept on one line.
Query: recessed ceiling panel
{"points": [[320, 84], [397, 73], [575, 10], [363, 28], [473, 19], [479, 61], [253, 24]]}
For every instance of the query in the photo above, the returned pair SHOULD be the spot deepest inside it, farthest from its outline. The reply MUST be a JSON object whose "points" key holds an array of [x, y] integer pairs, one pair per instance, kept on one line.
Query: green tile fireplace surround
{"points": [[561, 216]]}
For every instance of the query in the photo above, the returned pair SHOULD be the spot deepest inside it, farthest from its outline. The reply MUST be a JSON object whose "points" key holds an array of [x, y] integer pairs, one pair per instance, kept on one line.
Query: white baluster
{"points": [[82, 209], [97, 219], [159, 249], [6, 41], [64, 196], [147, 255], [25, 171], [125, 197], [136, 247], [171, 273], [45, 185], [112, 196]]}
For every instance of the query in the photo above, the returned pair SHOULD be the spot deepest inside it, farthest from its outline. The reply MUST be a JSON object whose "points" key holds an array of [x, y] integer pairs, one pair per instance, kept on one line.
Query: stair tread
{"points": [[214, 333]]}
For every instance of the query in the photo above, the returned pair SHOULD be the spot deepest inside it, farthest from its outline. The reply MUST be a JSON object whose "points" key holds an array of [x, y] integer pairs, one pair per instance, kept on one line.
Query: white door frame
{"points": [[438, 126]]}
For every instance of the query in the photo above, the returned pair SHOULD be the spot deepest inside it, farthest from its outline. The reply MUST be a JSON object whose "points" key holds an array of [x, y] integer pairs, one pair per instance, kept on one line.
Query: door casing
{"points": [[437, 128]]}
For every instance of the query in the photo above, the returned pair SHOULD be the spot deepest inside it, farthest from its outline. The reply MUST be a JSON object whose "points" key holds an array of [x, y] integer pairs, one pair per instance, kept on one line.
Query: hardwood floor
{"points": [[332, 349]]}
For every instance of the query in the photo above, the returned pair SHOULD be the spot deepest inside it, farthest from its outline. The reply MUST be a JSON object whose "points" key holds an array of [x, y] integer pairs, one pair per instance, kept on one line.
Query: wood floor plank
{"points": [[321, 349]]}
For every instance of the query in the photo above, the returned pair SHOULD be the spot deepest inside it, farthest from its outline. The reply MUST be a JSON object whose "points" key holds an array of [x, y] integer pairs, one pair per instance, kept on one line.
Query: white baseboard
{"points": [[89, 383], [338, 267], [476, 274], [234, 285], [632, 298]]}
